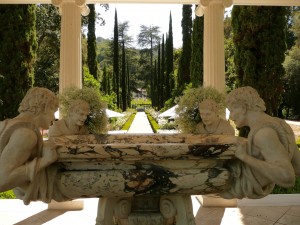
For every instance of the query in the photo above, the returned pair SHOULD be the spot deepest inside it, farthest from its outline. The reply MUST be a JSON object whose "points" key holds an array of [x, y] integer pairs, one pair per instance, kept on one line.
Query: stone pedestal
{"points": [[156, 210]]}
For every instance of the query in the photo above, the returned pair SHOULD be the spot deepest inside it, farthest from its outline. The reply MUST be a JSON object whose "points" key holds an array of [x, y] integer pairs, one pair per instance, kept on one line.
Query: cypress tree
{"points": [[104, 80], [162, 73], [123, 79], [184, 72], [159, 81], [17, 55], [116, 60], [155, 94], [259, 39], [128, 85], [169, 59], [197, 52], [91, 42]]}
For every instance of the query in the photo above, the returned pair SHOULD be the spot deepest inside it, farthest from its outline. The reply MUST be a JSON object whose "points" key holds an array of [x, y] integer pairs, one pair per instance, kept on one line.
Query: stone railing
{"points": [[143, 177]]}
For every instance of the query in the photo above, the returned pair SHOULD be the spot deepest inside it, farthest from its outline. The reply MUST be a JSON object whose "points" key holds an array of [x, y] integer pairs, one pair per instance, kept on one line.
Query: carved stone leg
{"points": [[105, 214], [164, 210], [122, 211], [178, 209]]}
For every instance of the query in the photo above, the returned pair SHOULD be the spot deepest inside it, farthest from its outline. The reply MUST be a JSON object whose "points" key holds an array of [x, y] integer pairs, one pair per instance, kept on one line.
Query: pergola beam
{"points": [[235, 2]]}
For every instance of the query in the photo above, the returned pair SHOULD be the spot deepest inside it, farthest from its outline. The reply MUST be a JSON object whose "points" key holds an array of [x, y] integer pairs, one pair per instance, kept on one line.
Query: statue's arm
{"points": [[17, 166], [275, 164]]}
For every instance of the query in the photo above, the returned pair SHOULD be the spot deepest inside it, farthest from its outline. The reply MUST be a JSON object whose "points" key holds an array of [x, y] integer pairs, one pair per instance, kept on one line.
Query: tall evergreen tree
{"points": [[125, 40], [230, 75], [91, 42], [197, 52], [128, 85], [259, 38], [104, 85], [184, 71], [123, 79], [159, 81], [162, 73], [17, 55], [169, 60], [116, 78]]}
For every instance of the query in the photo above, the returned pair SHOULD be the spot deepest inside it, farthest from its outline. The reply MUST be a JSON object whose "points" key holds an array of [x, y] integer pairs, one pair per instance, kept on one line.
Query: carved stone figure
{"points": [[269, 157], [74, 122], [211, 122], [24, 159]]}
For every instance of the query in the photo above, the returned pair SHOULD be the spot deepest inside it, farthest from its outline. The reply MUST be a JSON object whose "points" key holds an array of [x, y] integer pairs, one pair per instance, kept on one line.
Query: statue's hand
{"points": [[49, 152], [241, 148]]}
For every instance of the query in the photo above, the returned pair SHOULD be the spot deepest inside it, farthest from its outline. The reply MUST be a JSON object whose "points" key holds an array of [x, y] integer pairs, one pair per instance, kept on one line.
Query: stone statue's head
{"points": [[209, 104], [37, 100], [79, 105], [247, 97]]}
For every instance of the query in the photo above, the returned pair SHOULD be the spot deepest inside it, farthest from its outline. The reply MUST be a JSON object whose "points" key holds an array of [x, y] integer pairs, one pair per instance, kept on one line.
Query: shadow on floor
{"points": [[209, 216], [41, 217]]}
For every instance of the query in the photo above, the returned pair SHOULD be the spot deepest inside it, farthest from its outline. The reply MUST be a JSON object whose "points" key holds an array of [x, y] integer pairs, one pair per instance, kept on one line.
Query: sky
{"points": [[142, 14]]}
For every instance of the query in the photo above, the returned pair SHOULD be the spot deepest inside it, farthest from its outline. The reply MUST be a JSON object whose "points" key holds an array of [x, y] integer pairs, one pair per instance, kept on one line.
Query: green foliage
{"points": [[89, 80], [48, 53], [230, 75], [169, 126], [197, 52], [7, 195], [91, 42], [97, 119], [110, 101], [116, 63], [188, 113], [298, 142], [292, 190], [141, 101], [184, 71], [118, 123], [259, 38], [129, 121], [292, 78], [17, 55], [153, 123]]}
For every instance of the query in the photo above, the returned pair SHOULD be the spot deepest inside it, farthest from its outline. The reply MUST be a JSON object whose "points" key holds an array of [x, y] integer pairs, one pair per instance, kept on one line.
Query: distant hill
{"points": [[101, 39]]}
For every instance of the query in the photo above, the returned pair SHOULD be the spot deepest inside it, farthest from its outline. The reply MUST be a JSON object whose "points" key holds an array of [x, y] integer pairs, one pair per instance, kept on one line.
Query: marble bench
{"points": [[143, 179]]}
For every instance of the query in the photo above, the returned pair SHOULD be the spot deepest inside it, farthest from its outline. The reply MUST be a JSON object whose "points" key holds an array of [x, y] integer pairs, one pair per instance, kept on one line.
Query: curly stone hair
{"points": [[37, 100], [246, 96]]}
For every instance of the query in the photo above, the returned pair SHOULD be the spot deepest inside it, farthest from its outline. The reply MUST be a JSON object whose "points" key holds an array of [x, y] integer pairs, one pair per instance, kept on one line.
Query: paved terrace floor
{"points": [[279, 211]]}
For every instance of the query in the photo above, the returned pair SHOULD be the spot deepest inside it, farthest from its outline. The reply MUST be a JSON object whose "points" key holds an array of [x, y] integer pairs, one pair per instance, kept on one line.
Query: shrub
{"points": [[7, 195]]}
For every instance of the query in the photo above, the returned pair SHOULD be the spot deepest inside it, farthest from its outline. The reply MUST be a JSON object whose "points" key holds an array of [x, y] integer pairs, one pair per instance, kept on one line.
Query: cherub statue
{"points": [[211, 122], [24, 157], [270, 156], [74, 123]]}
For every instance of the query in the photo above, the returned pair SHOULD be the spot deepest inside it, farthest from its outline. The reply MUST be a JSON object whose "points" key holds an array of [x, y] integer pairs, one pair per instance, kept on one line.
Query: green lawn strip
{"points": [[153, 123], [128, 122]]}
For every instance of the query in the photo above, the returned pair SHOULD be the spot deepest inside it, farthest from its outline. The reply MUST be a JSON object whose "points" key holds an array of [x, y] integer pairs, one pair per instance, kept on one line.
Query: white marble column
{"points": [[70, 43], [213, 54]]}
